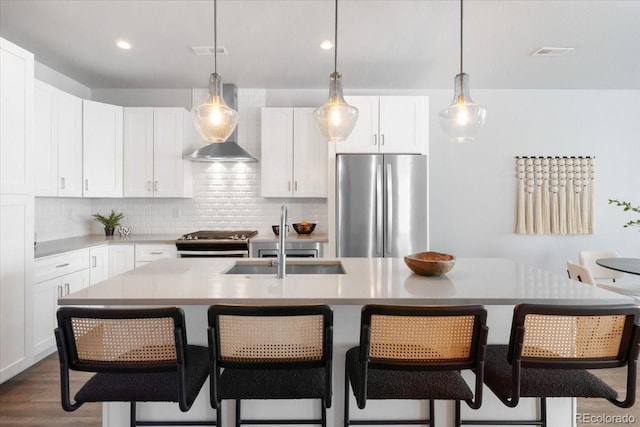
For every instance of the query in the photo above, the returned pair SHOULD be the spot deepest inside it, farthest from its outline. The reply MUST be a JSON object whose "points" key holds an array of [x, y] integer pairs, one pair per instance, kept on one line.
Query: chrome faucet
{"points": [[282, 256]]}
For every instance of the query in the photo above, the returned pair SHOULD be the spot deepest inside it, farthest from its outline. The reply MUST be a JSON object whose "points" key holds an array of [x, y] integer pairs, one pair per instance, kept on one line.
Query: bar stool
{"points": [[137, 355], [550, 350], [416, 353], [275, 352]]}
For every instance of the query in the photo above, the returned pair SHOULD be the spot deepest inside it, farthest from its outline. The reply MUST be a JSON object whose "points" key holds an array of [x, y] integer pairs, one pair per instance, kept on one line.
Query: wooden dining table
{"points": [[626, 265]]}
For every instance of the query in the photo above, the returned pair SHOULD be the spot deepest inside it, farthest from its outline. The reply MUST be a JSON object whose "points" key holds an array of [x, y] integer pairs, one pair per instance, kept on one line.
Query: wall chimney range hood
{"points": [[228, 151]]}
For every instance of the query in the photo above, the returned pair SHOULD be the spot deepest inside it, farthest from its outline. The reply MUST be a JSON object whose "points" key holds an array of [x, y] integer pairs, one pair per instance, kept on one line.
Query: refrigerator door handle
{"points": [[389, 212], [379, 202]]}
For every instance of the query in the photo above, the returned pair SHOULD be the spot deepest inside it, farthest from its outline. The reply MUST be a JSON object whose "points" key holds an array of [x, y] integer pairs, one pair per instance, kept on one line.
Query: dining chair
{"points": [[580, 273], [270, 352], [551, 351], [137, 355], [588, 260], [418, 353]]}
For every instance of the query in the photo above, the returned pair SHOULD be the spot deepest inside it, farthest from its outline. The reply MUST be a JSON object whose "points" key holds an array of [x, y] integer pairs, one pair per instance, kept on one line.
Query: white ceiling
{"points": [[395, 44]]}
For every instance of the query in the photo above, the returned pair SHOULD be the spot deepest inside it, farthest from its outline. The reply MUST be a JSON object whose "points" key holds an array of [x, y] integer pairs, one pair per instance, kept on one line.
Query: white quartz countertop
{"points": [[201, 281], [54, 247]]}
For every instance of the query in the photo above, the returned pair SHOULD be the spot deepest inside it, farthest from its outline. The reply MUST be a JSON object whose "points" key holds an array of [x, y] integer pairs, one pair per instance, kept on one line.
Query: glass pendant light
{"points": [[463, 119], [336, 118], [214, 119]]}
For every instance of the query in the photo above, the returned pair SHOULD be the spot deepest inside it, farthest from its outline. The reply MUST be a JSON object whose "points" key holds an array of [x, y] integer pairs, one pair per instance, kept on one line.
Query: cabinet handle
{"points": [[86, 184], [382, 139], [62, 265], [375, 139], [155, 185], [66, 289], [288, 185], [59, 291], [148, 185], [62, 183], [94, 261], [295, 185], [157, 253]]}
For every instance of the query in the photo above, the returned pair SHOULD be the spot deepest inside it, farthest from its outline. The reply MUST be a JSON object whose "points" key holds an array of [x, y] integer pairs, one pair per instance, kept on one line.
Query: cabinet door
{"points": [[138, 152], [45, 304], [16, 116], [277, 152], [168, 165], [102, 137], [310, 156], [45, 153], [99, 257], [148, 253], [69, 180], [75, 281], [364, 138], [403, 124], [121, 259], [16, 278]]}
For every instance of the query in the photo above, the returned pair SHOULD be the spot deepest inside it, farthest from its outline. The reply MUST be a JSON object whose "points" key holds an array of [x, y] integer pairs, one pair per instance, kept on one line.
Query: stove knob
{"points": [[195, 237]]}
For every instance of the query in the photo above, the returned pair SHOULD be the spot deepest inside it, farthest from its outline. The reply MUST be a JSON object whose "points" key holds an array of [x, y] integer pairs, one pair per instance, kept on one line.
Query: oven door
{"points": [[235, 253]]}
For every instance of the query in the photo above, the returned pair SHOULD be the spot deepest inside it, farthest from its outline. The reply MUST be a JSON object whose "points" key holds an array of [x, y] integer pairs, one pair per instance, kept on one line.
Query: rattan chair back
{"points": [[572, 337]]}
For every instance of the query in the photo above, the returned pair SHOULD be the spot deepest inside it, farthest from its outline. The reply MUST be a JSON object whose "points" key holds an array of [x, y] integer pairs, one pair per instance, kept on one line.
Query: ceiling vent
{"points": [[209, 50], [552, 51]]}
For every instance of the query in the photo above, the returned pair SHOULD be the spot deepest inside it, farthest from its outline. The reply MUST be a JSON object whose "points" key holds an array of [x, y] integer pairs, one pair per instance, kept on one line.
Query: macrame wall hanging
{"points": [[555, 195]]}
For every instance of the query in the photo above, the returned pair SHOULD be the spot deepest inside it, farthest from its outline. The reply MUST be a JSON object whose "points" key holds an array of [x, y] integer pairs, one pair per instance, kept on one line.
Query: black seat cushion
{"points": [[395, 384], [541, 382], [149, 386], [272, 384]]}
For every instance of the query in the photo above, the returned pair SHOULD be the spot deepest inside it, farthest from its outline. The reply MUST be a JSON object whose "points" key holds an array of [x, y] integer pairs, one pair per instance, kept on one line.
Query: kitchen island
{"points": [[195, 283]]}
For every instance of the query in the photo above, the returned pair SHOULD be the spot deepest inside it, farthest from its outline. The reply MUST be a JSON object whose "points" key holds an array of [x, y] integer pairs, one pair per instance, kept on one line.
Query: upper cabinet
{"points": [[16, 110], [102, 142], [389, 124], [294, 154], [155, 140], [58, 142]]}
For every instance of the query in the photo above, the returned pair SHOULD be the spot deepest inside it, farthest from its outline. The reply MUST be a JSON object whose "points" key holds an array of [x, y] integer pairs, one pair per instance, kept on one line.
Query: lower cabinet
{"points": [[148, 253], [121, 259], [99, 256], [55, 277]]}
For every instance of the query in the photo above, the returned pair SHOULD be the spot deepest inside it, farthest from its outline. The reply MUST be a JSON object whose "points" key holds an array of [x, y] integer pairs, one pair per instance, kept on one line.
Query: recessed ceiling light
{"points": [[326, 45], [552, 51], [123, 44]]}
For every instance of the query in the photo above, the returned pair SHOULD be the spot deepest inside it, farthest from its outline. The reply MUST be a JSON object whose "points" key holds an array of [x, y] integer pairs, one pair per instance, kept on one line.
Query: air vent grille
{"points": [[209, 50], [552, 51]]}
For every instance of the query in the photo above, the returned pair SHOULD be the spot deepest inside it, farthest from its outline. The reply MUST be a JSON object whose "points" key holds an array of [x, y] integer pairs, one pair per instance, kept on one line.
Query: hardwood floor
{"points": [[32, 399]]}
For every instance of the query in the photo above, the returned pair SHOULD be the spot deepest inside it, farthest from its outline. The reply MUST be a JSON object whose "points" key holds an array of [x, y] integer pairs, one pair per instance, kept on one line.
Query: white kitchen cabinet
{"points": [[149, 253], [58, 143], [294, 154], [155, 140], [121, 259], [102, 142], [45, 298], [16, 116], [54, 277], [388, 124], [99, 258], [16, 277]]}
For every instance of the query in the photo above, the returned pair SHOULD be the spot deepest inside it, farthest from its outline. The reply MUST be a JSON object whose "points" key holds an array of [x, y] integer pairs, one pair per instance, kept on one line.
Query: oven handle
{"points": [[240, 253]]}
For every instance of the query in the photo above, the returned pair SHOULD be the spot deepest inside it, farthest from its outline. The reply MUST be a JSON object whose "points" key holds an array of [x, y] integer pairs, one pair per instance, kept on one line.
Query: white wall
{"points": [[472, 194]]}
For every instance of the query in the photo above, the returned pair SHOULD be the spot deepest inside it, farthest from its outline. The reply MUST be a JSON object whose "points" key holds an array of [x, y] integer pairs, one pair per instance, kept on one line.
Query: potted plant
{"points": [[626, 206], [110, 222]]}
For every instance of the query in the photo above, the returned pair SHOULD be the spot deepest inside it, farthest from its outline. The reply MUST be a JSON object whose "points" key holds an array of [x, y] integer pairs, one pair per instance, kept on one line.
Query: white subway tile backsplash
{"points": [[225, 196]]}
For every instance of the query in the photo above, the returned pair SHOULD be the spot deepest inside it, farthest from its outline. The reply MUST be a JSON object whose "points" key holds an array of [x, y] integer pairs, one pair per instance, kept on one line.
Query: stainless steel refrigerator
{"points": [[381, 205]]}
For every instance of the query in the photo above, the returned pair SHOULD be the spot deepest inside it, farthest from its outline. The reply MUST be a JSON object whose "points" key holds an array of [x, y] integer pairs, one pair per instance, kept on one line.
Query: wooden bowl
{"points": [[430, 263]]}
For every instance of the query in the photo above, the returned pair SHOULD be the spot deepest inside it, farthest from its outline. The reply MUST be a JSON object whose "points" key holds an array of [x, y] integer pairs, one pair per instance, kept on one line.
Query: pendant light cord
{"points": [[215, 38], [335, 37], [461, 15]]}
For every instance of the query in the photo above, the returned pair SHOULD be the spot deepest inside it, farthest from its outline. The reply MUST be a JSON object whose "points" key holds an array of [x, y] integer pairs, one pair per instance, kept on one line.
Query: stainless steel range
{"points": [[215, 244]]}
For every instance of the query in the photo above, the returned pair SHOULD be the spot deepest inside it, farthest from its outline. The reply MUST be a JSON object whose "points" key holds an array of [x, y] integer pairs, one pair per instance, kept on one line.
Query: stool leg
{"points": [[323, 409], [238, 410], [132, 415], [458, 421], [218, 416], [346, 397], [432, 411], [543, 411]]}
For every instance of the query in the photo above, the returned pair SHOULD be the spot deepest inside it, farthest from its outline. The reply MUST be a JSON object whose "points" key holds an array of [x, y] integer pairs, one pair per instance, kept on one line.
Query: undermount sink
{"points": [[292, 267]]}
